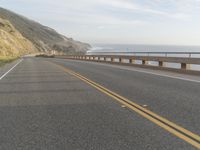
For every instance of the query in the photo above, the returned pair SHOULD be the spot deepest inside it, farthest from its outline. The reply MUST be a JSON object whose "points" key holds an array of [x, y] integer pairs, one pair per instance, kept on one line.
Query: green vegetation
{"points": [[4, 60], [45, 56]]}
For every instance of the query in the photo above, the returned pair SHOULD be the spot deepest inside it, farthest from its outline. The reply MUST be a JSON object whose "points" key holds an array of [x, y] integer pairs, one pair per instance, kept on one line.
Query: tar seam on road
{"points": [[10, 69], [171, 127]]}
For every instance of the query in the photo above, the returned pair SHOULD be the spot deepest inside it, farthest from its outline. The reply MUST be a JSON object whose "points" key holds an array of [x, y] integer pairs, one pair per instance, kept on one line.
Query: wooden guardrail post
{"points": [[185, 66], [120, 60], [145, 62], [131, 60], [112, 59], [161, 64]]}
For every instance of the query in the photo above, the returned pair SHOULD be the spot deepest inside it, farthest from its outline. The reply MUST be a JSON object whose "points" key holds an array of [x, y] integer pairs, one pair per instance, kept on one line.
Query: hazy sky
{"points": [[117, 21]]}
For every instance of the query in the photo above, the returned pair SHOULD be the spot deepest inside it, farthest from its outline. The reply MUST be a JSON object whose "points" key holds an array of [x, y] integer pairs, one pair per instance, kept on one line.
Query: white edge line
{"points": [[157, 74], [168, 76], [10, 69]]}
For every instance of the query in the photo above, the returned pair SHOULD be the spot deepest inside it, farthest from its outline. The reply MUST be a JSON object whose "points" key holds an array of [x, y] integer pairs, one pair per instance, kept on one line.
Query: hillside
{"points": [[42, 37], [12, 43]]}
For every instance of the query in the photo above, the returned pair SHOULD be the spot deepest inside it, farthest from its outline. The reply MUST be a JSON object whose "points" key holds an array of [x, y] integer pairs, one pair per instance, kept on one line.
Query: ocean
{"points": [[127, 48], [144, 48]]}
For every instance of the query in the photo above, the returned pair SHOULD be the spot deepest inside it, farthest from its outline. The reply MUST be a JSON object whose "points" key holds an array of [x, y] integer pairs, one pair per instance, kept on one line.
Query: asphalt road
{"points": [[44, 107]]}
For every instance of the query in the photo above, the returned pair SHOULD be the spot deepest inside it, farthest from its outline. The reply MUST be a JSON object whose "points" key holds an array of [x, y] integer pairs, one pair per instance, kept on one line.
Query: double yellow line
{"points": [[171, 127]]}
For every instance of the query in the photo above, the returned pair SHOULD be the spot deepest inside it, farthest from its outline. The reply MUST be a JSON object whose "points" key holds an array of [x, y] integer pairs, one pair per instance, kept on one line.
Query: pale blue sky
{"points": [[174, 22]]}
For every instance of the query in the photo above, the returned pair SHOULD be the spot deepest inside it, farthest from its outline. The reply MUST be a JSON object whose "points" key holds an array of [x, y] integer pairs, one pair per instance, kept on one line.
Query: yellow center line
{"points": [[171, 127]]}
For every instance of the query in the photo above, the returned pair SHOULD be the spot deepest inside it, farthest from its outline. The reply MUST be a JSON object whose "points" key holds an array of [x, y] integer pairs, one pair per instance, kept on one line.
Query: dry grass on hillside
{"points": [[4, 60], [12, 43]]}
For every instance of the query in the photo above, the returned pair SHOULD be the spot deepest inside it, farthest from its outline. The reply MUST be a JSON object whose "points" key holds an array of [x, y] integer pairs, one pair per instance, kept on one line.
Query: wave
{"points": [[97, 48]]}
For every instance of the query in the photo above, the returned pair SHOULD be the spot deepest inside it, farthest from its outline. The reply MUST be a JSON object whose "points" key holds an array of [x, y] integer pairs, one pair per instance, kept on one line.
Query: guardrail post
{"points": [[112, 59], [185, 66], [120, 60], [161, 64], [104, 58], [99, 58], [131, 60], [144, 62]]}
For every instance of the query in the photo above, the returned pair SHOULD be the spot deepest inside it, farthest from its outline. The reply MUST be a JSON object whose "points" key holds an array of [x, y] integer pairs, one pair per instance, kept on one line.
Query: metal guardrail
{"points": [[166, 54], [162, 62]]}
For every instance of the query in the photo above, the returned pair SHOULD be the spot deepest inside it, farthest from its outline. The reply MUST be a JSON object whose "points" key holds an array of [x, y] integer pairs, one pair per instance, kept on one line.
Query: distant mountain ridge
{"points": [[43, 38]]}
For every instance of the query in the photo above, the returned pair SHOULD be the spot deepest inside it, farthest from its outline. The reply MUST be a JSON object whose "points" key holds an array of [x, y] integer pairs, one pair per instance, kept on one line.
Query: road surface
{"points": [[43, 106]]}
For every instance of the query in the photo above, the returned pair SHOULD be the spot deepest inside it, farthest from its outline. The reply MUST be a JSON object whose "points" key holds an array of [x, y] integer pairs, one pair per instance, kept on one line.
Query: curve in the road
{"points": [[171, 127]]}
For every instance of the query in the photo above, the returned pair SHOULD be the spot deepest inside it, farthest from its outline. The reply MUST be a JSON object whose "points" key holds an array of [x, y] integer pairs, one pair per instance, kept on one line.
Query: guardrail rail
{"points": [[185, 62]]}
